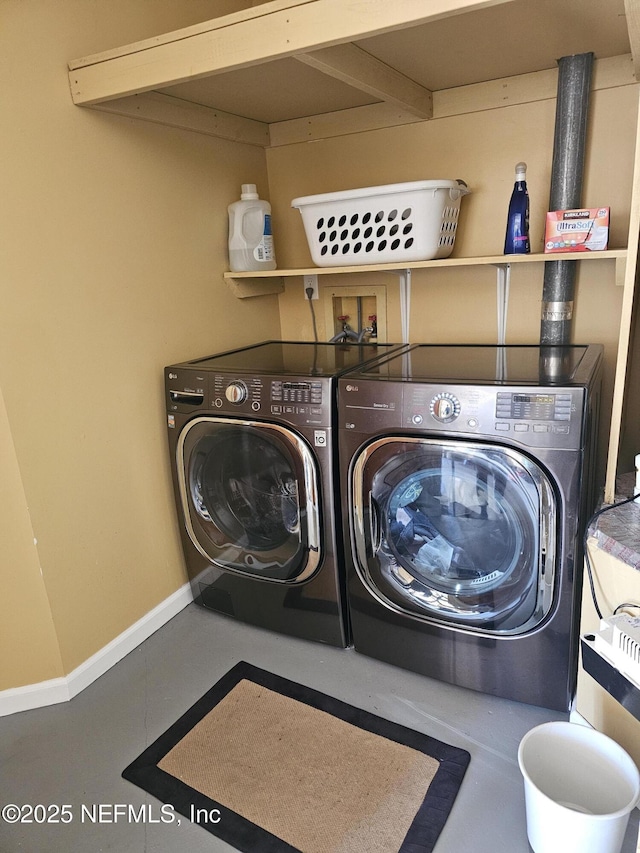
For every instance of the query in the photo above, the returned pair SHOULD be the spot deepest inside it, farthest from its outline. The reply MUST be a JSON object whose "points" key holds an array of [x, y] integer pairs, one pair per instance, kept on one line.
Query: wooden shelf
{"points": [[246, 284], [294, 70]]}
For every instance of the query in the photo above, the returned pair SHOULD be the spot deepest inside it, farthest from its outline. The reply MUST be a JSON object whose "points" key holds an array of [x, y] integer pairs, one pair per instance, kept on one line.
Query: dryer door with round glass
{"points": [[455, 531], [250, 496]]}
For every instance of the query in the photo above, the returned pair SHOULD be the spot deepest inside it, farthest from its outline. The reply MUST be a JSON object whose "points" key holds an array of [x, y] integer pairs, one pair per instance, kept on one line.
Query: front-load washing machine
{"points": [[253, 459], [468, 473]]}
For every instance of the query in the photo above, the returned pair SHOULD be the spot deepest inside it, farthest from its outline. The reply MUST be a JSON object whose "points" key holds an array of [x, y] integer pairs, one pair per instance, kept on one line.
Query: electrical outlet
{"points": [[311, 281]]}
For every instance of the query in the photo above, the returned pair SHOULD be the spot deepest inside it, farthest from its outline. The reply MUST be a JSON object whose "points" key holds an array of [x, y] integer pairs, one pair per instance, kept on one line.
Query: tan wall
{"points": [[114, 244], [28, 642]]}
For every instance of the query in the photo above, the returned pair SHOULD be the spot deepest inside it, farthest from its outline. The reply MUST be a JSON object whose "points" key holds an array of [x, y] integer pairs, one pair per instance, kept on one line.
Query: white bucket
{"points": [[580, 787]]}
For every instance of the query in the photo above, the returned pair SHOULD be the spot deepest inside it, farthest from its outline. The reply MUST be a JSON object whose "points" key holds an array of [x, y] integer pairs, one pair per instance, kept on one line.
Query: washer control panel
{"points": [[298, 401], [297, 392], [232, 394], [236, 392], [186, 390]]}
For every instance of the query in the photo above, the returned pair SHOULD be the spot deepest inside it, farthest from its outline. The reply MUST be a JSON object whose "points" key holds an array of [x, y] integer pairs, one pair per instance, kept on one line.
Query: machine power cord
{"points": [[309, 292], [587, 559]]}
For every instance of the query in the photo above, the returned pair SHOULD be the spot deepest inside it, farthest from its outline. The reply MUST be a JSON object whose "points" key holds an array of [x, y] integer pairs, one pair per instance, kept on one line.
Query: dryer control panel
{"points": [[535, 417], [534, 406]]}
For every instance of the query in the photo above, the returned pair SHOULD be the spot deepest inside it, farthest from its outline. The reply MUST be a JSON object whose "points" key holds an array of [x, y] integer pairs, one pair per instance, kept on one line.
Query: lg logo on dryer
{"points": [[350, 387]]}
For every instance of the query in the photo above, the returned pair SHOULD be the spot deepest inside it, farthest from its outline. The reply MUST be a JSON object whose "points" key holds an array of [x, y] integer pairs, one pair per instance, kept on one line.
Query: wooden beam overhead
{"points": [[476, 97], [175, 112], [164, 109], [320, 34], [267, 33], [354, 66]]}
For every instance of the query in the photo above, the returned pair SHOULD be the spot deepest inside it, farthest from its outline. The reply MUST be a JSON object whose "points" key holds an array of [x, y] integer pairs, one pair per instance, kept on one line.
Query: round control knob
{"points": [[445, 407], [236, 392]]}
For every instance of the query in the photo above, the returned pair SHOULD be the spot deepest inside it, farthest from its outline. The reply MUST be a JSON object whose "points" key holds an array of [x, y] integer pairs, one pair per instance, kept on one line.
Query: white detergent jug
{"points": [[250, 235]]}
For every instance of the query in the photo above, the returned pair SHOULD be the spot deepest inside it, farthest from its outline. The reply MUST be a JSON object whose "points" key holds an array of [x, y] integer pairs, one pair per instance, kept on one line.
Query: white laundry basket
{"points": [[415, 221]]}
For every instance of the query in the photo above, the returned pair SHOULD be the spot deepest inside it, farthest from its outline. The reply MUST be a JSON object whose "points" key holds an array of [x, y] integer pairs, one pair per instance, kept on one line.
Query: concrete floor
{"points": [[73, 754]]}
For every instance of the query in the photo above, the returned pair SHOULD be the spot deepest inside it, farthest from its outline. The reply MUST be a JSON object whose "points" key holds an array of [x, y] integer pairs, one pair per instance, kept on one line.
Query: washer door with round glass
{"points": [[457, 532], [250, 498]]}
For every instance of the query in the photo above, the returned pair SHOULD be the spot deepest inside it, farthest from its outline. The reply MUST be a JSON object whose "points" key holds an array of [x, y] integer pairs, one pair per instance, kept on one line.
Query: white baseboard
{"points": [[33, 696], [62, 689]]}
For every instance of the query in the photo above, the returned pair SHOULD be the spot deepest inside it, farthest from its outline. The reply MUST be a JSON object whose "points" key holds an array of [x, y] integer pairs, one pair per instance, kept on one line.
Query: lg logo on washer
{"points": [[350, 387]]}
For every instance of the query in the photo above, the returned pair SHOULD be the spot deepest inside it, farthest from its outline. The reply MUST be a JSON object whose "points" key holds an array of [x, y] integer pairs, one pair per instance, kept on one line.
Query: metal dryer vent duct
{"points": [[574, 81]]}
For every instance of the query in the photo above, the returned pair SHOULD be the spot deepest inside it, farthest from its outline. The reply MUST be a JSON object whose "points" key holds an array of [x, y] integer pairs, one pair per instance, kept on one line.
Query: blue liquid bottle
{"points": [[516, 241]]}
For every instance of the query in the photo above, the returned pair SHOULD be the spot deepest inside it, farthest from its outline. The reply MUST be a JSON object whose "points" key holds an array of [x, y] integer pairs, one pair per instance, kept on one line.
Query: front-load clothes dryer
{"points": [[253, 459], [468, 473]]}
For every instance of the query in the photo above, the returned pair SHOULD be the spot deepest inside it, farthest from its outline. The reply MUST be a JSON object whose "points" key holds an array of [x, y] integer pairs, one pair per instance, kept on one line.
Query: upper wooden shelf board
{"points": [[268, 282], [262, 74], [484, 260]]}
